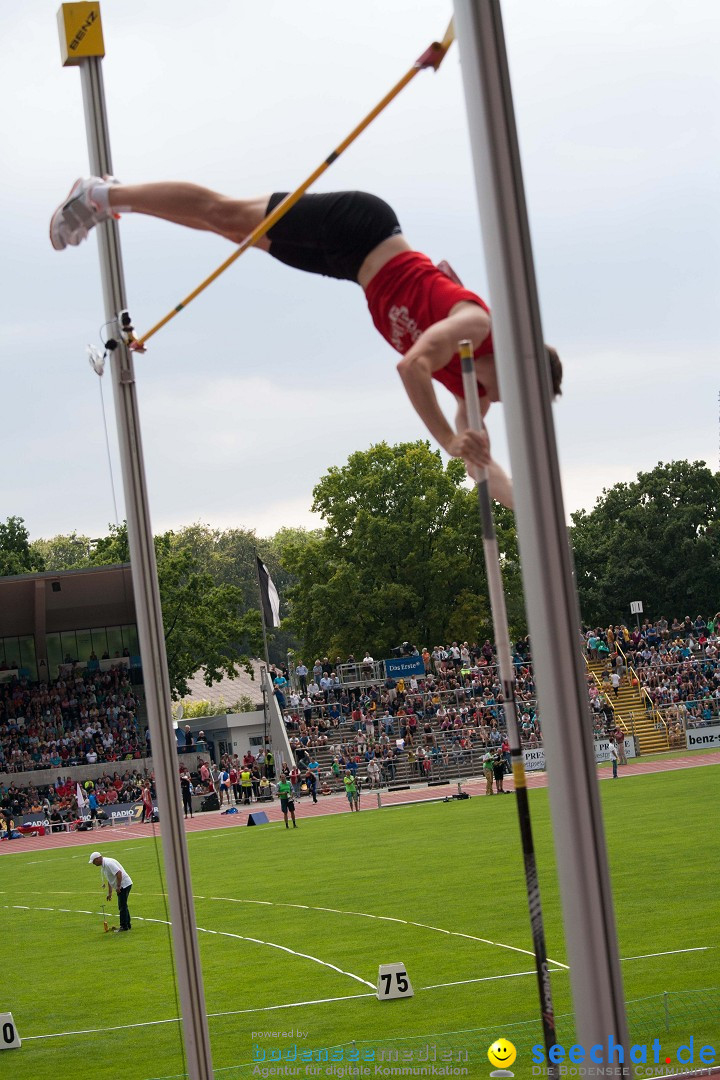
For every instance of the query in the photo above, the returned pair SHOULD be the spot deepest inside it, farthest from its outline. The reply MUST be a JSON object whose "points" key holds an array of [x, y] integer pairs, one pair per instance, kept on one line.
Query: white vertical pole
{"points": [[552, 606], [145, 588]]}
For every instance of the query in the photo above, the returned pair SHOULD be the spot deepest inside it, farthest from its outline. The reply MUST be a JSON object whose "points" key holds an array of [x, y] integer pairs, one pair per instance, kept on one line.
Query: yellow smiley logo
{"points": [[502, 1053]]}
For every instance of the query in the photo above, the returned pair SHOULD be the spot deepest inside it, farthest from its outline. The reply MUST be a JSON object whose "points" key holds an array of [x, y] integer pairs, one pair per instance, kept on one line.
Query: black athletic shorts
{"points": [[331, 234]]}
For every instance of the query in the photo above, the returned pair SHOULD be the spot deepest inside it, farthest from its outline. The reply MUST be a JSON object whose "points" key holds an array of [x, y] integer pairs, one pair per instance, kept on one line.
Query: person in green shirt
{"points": [[285, 793], [488, 758], [351, 790]]}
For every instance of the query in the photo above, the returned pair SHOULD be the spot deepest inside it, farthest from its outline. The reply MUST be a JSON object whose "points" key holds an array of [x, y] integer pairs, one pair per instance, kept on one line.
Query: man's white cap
{"points": [[95, 855]]}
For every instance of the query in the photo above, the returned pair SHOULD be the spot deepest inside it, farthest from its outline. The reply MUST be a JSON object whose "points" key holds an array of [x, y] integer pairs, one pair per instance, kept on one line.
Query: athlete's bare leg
{"points": [[200, 208], [194, 206]]}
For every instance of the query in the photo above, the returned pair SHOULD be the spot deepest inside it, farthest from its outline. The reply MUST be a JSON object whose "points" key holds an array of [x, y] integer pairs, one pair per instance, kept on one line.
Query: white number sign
{"points": [[9, 1038], [393, 982]]}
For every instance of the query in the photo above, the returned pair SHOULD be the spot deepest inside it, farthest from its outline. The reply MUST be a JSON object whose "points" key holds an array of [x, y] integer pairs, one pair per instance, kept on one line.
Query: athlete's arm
{"points": [[432, 351], [499, 482]]}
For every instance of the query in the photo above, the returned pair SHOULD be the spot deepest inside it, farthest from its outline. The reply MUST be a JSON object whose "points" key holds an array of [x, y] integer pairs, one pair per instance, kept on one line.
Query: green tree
{"points": [[229, 557], [71, 552], [17, 555], [113, 549], [207, 625], [401, 558], [656, 539]]}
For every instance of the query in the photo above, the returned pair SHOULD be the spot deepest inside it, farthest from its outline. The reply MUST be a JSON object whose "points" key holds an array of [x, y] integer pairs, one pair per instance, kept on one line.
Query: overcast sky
{"points": [[272, 376]]}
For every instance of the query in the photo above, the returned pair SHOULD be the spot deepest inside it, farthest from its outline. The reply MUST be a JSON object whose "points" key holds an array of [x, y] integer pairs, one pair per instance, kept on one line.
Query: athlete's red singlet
{"points": [[408, 295]]}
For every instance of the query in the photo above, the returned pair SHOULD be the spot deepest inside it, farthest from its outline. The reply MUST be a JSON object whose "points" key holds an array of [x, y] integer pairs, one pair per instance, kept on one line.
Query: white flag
{"points": [[81, 800]]}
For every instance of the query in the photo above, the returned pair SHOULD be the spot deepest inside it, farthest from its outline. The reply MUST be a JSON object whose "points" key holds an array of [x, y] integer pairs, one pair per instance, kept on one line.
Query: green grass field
{"points": [[437, 878]]}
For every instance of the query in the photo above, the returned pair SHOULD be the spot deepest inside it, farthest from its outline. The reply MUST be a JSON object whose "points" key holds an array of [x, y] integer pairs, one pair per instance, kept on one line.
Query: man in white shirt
{"points": [[302, 673], [117, 879], [614, 759]]}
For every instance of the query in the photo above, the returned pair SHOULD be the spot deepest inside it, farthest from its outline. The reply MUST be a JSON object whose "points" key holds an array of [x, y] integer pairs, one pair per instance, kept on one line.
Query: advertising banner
{"points": [[535, 759], [704, 738], [115, 813], [35, 820], [403, 666]]}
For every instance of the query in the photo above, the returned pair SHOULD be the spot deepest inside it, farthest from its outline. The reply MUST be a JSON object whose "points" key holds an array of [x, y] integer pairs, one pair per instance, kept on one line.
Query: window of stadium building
{"points": [[18, 654], [85, 646]]}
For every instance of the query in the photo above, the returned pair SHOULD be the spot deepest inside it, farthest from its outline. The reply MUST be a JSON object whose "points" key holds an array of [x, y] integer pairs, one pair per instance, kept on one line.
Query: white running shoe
{"points": [[78, 213]]}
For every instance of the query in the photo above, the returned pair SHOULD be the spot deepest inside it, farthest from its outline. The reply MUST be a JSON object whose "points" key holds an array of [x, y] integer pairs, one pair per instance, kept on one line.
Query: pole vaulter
{"points": [[421, 309]]}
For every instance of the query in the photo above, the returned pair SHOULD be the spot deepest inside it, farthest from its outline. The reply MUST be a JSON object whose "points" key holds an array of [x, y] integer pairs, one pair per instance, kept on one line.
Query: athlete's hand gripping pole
{"points": [[431, 58], [507, 676]]}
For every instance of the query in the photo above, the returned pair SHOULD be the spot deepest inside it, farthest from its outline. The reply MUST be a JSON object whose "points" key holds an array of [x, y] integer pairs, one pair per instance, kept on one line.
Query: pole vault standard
{"points": [[82, 45], [507, 675], [432, 57], [552, 604]]}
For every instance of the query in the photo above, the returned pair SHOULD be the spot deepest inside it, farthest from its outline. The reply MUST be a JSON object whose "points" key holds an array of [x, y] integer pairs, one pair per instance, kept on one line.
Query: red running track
{"points": [[329, 804]]}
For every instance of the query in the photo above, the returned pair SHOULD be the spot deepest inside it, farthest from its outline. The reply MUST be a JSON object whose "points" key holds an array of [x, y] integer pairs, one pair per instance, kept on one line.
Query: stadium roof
{"points": [[99, 596], [227, 691]]}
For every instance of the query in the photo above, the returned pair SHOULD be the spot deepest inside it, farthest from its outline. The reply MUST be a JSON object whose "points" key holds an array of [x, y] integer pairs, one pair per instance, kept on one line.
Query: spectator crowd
{"points": [[677, 664], [425, 723], [433, 721], [84, 718], [447, 716], [58, 801]]}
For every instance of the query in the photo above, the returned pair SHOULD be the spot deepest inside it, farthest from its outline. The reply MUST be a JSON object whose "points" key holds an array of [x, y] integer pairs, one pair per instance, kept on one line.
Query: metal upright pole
{"points": [[552, 606], [78, 23]]}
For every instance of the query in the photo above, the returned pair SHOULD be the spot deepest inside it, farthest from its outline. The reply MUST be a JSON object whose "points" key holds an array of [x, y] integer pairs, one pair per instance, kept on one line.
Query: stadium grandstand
{"points": [[72, 708], [71, 702], [438, 721]]}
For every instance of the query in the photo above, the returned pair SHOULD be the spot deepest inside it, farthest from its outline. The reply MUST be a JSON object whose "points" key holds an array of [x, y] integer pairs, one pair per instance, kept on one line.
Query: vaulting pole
{"points": [[507, 676], [552, 604], [82, 45]]}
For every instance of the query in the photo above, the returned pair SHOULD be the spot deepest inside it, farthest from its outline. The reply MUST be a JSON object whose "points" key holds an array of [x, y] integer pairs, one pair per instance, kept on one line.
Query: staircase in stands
{"points": [[631, 711]]}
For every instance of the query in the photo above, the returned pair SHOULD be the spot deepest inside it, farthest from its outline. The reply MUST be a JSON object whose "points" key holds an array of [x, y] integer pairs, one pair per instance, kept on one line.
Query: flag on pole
{"points": [[81, 799], [268, 595]]}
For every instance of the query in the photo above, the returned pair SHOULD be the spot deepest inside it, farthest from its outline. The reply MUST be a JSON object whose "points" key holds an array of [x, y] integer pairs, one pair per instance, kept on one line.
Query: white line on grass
{"points": [[671, 952], [210, 1016], [388, 918], [487, 979], [306, 956], [225, 933], [259, 1009]]}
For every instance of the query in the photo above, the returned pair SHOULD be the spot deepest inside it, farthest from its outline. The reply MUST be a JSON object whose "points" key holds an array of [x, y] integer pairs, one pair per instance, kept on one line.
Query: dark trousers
{"points": [[187, 803], [123, 907]]}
